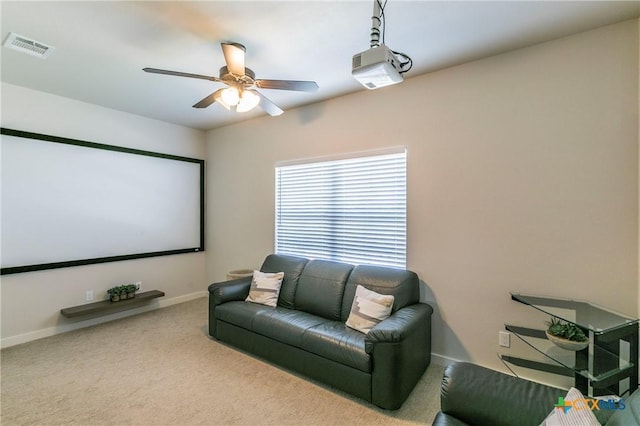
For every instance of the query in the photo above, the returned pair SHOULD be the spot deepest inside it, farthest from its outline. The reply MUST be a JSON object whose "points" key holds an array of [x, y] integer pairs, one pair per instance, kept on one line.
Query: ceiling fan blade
{"points": [[180, 74], [268, 106], [234, 57], [300, 86], [208, 100]]}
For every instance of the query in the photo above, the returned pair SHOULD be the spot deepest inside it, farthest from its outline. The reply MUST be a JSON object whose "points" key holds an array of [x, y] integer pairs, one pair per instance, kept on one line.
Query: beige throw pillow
{"points": [[265, 288], [368, 309], [574, 411]]}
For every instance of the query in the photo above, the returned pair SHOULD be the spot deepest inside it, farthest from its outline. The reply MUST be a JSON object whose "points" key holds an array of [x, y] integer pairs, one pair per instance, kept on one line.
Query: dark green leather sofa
{"points": [[306, 332], [474, 395]]}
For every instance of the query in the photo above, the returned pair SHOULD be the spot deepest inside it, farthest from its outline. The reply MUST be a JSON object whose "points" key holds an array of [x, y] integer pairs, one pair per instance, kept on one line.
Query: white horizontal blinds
{"points": [[350, 210]]}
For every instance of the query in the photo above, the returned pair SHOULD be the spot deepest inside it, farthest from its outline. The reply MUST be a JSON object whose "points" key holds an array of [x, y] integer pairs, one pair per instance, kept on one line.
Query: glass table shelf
{"points": [[567, 360], [609, 365], [584, 314]]}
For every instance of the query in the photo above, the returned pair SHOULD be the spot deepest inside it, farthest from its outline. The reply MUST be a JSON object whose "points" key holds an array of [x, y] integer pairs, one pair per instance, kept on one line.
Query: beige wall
{"points": [[31, 302], [522, 176]]}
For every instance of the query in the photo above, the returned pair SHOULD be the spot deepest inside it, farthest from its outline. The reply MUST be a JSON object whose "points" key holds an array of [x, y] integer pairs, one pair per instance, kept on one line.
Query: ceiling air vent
{"points": [[28, 46]]}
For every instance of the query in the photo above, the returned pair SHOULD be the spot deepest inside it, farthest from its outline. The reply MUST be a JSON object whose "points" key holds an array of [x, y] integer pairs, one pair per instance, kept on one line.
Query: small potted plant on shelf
{"points": [[566, 335], [114, 293], [123, 292], [131, 290]]}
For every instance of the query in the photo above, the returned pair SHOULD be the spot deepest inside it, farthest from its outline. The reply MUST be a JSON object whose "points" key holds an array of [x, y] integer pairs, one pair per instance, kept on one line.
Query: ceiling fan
{"points": [[240, 93]]}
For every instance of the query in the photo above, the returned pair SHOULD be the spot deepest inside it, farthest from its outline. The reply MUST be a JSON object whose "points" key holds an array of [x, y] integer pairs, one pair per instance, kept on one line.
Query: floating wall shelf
{"points": [[108, 307]]}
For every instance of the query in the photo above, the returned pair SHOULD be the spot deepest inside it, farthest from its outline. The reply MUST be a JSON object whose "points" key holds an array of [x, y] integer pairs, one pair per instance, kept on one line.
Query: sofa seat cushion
{"points": [[285, 325], [243, 314], [335, 341]]}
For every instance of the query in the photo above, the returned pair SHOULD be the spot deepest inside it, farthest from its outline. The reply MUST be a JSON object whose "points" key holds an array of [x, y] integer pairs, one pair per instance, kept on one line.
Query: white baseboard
{"points": [[6, 342]]}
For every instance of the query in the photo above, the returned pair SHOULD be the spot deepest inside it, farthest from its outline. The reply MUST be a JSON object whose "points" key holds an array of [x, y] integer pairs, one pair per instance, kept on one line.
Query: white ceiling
{"points": [[101, 47]]}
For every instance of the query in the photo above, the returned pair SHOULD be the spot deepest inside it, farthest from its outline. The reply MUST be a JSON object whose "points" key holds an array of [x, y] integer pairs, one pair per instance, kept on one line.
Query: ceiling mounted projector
{"points": [[379, 66], [376, 67]]}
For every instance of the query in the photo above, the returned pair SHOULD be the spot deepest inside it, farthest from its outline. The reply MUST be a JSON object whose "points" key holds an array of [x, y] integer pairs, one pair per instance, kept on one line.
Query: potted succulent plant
{"points": [[123, 292], [566, 335], [131, 290], [114, 293]]}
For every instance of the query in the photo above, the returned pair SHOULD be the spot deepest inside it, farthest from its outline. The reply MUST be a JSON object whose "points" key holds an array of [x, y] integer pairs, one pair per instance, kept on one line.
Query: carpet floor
{"points": [[162, 368]]}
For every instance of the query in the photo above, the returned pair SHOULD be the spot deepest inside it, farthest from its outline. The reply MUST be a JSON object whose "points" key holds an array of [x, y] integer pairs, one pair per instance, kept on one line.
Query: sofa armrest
{"points": [[400, 348], [223, 292], [479, 396], [229, 291], [398, 326]]}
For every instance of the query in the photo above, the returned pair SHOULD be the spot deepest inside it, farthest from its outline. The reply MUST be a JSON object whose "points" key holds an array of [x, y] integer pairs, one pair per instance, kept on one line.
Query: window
{"points": [[350, 210]]}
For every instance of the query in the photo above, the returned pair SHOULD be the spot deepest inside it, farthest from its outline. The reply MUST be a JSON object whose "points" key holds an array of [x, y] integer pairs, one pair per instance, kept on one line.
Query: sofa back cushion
{"points": [[292, 267], [321, 288], [403, 285]]}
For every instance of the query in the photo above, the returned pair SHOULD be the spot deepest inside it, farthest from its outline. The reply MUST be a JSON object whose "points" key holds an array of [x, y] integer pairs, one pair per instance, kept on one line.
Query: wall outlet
{"points": [[504, 339], [139, 285], [89, 296]]}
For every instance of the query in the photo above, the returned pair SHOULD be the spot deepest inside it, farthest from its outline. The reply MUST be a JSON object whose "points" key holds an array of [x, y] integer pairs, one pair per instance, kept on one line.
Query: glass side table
{"points": [[599, 369]]}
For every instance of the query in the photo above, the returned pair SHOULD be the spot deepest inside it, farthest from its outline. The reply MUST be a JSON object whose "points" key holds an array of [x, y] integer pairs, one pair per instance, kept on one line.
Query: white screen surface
{"points": [[63, 202]]}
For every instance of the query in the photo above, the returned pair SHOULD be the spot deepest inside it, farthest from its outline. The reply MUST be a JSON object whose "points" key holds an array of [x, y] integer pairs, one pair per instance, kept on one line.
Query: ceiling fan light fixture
{"points": [[248, 101], [230, 96], [217, 96]]}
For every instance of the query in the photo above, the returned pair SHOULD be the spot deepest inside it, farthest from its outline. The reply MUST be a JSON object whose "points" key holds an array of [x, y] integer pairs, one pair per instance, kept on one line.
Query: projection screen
{"points": [[67, 202]]}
